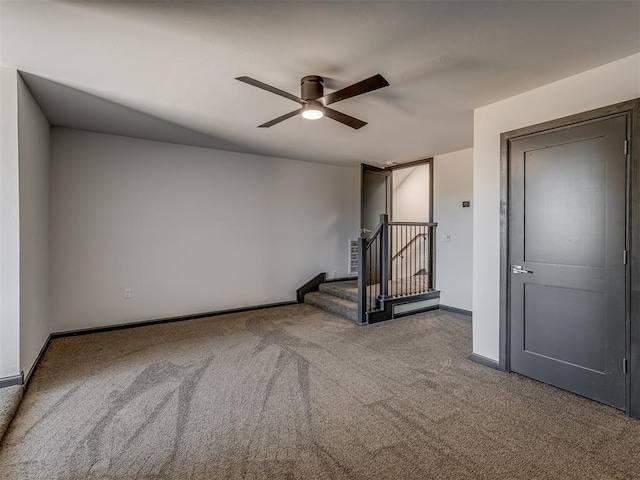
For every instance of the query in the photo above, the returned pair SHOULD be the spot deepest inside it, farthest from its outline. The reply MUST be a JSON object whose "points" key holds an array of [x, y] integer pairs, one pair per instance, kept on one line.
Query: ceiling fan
{"points": [[314, 102]]}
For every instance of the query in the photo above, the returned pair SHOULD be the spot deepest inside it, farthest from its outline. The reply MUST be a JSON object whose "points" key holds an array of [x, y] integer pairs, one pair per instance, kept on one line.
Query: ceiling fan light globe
{"points": [[312, 114]]}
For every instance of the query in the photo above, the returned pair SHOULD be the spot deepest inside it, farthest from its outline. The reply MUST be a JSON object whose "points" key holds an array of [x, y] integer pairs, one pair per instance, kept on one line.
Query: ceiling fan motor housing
{"points": [[312, 87]]}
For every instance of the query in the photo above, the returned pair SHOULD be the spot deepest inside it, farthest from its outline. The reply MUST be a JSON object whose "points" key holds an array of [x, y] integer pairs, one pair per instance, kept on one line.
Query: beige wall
{"points": [[453, 184], [9, 226], [411, 194], [33, 135]]}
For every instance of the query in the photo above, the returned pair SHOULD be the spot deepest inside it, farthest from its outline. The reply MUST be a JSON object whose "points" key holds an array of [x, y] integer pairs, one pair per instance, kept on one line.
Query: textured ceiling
{"points": [[175, 63]]}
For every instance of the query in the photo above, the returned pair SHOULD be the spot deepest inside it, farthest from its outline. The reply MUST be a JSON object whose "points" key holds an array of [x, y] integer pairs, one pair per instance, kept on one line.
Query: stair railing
{"points": [[396, 260], [413, 266], [369, 271]]}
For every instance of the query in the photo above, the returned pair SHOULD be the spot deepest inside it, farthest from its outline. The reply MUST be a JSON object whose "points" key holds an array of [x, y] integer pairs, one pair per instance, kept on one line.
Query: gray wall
{"points": [[187, 229], [453, 183], [9, 226], [33, 141]]}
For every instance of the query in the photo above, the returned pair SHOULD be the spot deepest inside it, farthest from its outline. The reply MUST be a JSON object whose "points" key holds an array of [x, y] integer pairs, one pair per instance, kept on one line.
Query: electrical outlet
{"points": [[445, 237], [127, 293]]}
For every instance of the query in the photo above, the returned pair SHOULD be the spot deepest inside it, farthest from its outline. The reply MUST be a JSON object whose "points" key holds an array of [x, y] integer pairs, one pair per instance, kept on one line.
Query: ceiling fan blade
{"points": [[269, 88], [365, 86], [280, 119], [343, 118]]}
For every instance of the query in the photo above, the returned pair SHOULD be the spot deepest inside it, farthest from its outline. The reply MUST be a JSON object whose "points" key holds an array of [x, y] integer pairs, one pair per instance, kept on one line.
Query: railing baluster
{"points": [[389, 263], [406, 259], [409, 259], [400, 260], [417, 275], [423, 266], [413, 262], [402, 263], [422, 269], [406, 262], [424, 259], [369, 288], [409, 262], [417, 253], [362, 279], [425, 244], [418, 263], [407, 273]]}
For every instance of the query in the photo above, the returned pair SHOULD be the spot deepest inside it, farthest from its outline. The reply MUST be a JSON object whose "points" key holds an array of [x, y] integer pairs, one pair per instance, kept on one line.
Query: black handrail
{"points": [[413, 240], [413, 224], [375, 233]]}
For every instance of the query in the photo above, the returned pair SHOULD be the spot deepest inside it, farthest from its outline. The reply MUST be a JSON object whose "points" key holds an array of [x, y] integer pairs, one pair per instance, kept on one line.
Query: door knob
{"points": [[518, 269]]}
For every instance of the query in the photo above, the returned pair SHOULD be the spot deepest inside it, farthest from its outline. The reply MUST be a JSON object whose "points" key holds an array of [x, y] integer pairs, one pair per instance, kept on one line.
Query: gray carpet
{"points": [[9, 401], [295, 392]]}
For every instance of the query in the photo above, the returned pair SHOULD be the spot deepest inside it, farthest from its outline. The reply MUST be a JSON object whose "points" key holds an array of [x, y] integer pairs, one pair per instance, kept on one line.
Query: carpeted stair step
{"points": [[347, 289], [333, 304]]}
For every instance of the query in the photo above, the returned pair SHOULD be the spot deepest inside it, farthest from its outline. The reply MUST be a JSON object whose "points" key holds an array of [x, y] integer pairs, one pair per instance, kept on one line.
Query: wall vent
{"points": [[353, 257]]}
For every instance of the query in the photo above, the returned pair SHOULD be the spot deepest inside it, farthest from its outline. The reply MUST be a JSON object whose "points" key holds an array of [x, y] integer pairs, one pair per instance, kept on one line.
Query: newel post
{"points": [[384, 257], [432, 257], [362, 280]]}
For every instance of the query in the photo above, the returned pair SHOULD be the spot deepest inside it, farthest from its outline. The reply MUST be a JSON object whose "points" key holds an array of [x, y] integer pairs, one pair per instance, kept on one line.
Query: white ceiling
{"points": [[174, 63]]}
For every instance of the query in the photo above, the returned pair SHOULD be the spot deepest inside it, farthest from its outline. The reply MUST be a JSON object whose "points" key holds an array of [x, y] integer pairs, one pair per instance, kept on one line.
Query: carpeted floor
{"points": [[294, 392]]}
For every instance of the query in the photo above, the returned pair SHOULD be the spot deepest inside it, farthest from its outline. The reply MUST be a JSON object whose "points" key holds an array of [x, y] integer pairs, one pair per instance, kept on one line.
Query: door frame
{"points": [[630, 109], [364, 167], [416, 163]]}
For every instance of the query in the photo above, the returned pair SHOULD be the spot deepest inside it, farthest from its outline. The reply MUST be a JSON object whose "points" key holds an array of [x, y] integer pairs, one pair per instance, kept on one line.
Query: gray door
{"points": [[567, 224], [375, 200], [375, 197]]}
